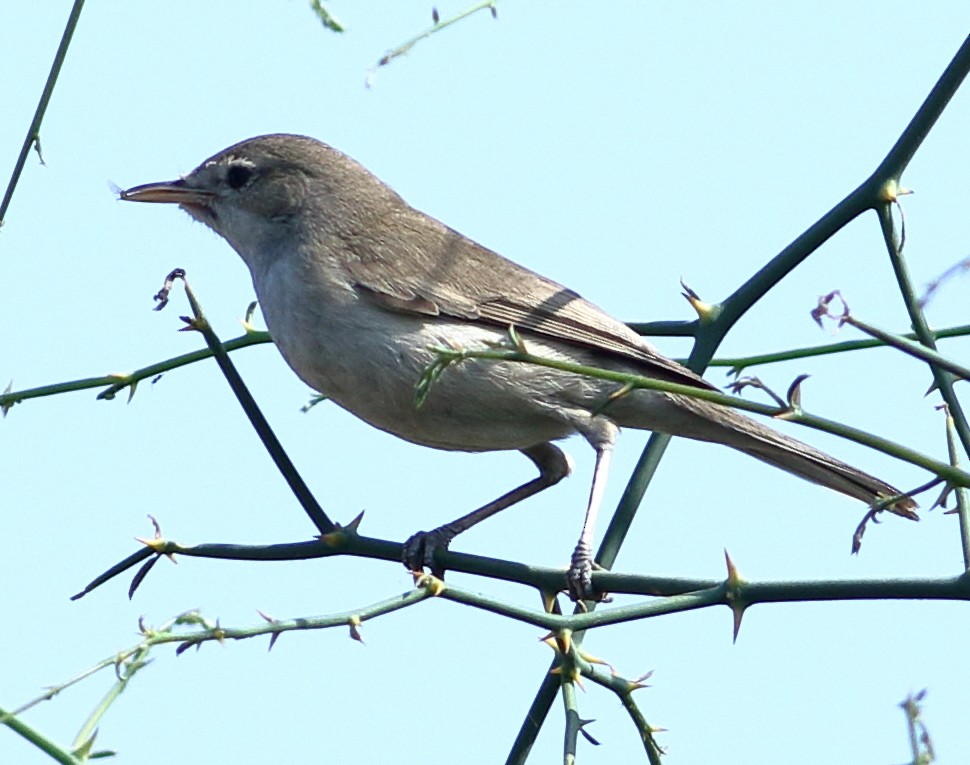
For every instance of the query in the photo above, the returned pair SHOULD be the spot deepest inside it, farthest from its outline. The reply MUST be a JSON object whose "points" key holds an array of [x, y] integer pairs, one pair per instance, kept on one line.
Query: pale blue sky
{"points": [[614, 147]]}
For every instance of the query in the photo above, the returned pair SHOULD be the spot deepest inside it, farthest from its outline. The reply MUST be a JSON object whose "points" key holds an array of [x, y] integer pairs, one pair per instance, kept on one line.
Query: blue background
{"points": [[616, 148]]}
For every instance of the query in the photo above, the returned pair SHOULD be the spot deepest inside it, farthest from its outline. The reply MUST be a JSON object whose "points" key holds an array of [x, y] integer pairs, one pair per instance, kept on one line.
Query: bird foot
{"points": [[579, 576], [419, 551]]}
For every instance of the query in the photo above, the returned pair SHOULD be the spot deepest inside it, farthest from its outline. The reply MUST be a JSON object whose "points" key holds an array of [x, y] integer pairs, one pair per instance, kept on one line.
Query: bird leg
{"points": [[419, 550], [579, 578]]}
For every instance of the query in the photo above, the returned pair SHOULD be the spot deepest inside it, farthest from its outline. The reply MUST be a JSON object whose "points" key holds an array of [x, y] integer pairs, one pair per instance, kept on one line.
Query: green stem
{"points": [[116, 383], [282, 461], [911, 299], [738, 364], [942, 469], [33, 132], [573, 721], [48, 747], [643, 728], [405, 47], [963, 500], [910, 348]]}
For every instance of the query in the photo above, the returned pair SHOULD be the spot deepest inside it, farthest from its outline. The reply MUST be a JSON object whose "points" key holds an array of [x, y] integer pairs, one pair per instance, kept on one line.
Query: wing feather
{"points": [[432, 270]]}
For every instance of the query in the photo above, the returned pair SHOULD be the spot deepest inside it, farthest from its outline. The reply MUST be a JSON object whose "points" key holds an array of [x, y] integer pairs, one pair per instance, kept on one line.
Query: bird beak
{"points": [[171, 192]]}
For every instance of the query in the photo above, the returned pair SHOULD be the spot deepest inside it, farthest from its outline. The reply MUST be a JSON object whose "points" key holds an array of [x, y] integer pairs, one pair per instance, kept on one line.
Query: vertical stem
{"points": [[942, 378], [963, 505]]}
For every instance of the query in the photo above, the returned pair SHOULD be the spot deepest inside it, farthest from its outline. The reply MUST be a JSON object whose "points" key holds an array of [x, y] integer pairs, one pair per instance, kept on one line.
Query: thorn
{"points": [[183, 647], [588, 657], [157, 543], [586, 734], [247, 320], [352, 527], [565, 638], [191, 325], [860, 531], [8, 405], [734, 583], [795, 392], [549, 601], [516, 339], [639, 682], [83, 752], [550, 640], [428, 582], [619, 393], [944, 497], [705, 311], [892, 191], [736, 627], [317, 398], [273, 636], [752, 381], [40, 153], [734, 577], [340, 533], [354, 624]]}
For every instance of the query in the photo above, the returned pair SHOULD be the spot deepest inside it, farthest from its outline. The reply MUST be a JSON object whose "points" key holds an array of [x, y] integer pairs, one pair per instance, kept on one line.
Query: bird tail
{"points": [[704, 421]]}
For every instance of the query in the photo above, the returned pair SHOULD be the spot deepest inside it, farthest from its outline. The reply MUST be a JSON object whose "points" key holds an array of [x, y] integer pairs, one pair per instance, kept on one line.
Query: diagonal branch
{"points": [[33, 132]]}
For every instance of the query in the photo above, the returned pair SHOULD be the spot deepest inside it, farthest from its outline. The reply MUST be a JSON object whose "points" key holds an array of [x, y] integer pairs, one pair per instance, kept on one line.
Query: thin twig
{"points": [[33, 132], [437, 26]]}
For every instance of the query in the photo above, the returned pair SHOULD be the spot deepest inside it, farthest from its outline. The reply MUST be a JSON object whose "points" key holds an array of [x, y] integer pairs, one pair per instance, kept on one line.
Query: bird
{"points": [[358, 289]]}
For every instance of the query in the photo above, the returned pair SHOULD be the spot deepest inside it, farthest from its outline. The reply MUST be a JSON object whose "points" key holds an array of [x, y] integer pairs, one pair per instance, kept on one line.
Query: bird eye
{"points": [[238, 176]]}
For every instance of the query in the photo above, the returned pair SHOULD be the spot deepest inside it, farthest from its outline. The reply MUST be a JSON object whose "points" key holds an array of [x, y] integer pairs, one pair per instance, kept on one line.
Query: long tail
{"points": [[704, 421]]}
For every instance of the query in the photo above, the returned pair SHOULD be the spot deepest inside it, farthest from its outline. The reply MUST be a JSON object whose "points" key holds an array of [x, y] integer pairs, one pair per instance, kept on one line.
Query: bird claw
{"points": [[579, 581], [579, 577], [419, 550]]}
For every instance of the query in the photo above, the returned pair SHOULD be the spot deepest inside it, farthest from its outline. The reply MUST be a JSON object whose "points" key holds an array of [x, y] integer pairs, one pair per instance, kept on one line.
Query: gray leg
{"points": [[419, 550], [579, 577]]}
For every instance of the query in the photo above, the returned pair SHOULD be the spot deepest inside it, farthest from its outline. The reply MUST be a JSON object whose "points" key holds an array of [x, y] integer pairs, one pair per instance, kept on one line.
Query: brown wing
{"points": [[433, 270]]}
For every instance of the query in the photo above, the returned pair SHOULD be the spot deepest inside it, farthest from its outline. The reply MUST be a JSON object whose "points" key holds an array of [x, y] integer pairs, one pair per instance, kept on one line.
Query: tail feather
{"points": [[704, 421], [818, 467]]}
